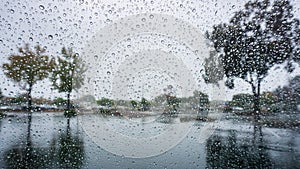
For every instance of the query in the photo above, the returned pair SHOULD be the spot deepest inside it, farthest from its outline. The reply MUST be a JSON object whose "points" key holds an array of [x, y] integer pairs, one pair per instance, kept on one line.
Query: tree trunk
{"points": [[256, 107], [256, 101], [29, 99], [68, 101], [29, 109], [257, 127], [68, 109], [68, 122]]}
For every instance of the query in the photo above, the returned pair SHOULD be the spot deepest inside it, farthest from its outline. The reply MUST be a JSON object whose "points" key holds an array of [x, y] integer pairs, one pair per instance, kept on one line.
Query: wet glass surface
{"points": [[150, 84]]}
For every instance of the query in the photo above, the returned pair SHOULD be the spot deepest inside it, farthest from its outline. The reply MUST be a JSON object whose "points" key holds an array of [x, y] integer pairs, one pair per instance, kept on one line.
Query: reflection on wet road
{"points": [[233, 144]]}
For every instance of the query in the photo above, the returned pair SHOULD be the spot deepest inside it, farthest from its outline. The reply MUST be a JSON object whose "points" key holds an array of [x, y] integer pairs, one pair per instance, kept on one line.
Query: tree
{"points": [[256, 39], [59, 101], [267, 99], [19, 99], [294, 85], [28, 67], [243, 100], [145, 104], [202, 98], [105, 102], [289, 96], [173, 103], [134, 104], [68, 74]]}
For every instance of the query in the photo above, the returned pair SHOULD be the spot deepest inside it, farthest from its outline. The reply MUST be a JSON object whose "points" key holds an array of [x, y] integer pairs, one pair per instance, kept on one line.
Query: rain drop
{"points": [[41, 7]]}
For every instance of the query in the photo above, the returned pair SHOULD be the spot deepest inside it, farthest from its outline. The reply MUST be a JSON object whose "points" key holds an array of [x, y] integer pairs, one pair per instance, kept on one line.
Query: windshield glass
{"points": [[150, 84]]}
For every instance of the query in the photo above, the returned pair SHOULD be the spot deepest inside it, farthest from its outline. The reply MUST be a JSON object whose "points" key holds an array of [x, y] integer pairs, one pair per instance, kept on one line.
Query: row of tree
{"points": [[66, 72], [168, 101], [257, 38]]}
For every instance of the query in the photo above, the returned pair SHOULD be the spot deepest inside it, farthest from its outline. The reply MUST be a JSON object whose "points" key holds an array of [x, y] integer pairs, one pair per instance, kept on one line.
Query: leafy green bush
{"points": [[104, 111], [60, 101], [70, 113], [2, 115]]}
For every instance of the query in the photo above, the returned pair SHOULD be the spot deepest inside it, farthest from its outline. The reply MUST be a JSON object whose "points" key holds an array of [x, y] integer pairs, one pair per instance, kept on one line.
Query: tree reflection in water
{"points": [[228, 152], [70, 150], [65, 151]]}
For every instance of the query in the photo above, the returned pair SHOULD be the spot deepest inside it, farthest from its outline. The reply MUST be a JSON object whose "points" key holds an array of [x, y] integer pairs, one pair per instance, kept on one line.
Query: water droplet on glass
{"points": [[41, 7], [50, 37]]}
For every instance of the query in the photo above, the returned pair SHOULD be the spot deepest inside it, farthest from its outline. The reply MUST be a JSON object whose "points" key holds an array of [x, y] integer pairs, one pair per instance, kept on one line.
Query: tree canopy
{"points": [[28, 67], [68, 74]]}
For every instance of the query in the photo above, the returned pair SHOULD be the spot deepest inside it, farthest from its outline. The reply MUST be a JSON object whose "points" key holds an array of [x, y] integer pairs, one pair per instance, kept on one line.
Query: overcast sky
{"points": [[58, 23]]}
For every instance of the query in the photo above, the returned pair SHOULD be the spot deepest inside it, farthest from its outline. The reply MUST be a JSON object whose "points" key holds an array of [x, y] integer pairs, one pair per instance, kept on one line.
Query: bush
{"points": [[2, 115], [70, 113], [104, 111]]}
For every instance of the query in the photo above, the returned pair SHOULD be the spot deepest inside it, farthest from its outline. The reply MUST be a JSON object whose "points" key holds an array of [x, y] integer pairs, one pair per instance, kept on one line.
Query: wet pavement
{"points": [[230, 143]]}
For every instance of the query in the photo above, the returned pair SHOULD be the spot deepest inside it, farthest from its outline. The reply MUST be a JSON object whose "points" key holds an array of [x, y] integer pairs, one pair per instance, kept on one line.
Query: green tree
{"points": [[268, 98], [60, 101], [202, 98], [256, 38], [134, 103], [145, 104], [68, 74], [28, 67], [294, 85], [173, 102], [105, 102], [243, 100], [289, 96], [19, 99]]}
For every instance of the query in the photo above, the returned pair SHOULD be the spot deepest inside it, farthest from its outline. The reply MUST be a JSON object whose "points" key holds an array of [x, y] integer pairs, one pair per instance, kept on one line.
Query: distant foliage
{"points": [[242, 100], [60, 102], [144, 104], [134, 104], [289, 96], [105, 102]]}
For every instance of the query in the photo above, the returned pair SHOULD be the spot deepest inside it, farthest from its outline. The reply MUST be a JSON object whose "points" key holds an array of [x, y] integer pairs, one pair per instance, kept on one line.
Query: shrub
{"points": [[70, 113]]}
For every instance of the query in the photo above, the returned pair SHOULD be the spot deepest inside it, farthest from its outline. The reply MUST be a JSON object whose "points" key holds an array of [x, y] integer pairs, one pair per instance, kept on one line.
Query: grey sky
{"points": [[61, 23]]}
